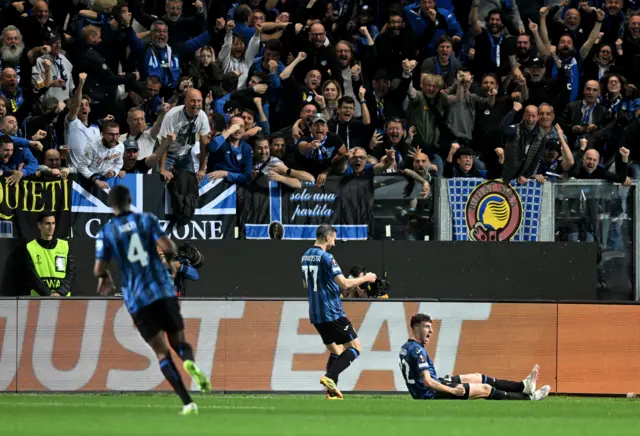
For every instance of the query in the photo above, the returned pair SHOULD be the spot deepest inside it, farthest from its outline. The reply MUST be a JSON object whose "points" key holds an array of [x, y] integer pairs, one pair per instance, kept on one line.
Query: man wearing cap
{"points": [[541, 89], [556, 159], [60, 80], [318, 152], [133, 163]]}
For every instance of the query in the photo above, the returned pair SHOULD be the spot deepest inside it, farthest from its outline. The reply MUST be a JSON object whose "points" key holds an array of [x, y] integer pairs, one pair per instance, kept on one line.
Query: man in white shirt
{"points": [[77, 130], [191, 126], [60, 79], [144, 139], [103, 159]]}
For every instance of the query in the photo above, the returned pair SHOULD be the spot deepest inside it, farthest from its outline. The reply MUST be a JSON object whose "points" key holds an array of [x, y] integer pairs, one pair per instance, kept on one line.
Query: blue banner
{"points": [[273, 211]]}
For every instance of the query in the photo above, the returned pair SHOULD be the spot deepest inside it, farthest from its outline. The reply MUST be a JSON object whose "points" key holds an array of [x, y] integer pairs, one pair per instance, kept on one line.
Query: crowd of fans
{"points": [[297, 90]]}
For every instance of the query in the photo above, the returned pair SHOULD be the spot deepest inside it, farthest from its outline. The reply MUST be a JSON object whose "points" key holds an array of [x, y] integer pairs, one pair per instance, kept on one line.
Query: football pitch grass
{"points": [[156, 414]]}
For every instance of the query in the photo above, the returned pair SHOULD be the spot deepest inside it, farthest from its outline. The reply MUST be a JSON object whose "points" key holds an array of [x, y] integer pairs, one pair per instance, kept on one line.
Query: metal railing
{"points": [[576, 210]]}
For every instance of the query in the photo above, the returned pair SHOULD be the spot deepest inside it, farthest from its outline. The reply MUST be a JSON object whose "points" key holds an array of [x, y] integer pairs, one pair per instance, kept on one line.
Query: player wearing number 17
{"points": [[147, 288], [323, 279]]}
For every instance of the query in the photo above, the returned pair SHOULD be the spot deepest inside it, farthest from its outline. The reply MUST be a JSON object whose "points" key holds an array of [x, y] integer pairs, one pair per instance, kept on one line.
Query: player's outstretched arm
{"points": [[105, 281], [345, 283]]}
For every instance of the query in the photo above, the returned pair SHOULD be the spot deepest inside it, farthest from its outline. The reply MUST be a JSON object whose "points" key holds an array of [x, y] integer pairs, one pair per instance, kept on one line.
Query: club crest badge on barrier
{"points": [[493, 212]]}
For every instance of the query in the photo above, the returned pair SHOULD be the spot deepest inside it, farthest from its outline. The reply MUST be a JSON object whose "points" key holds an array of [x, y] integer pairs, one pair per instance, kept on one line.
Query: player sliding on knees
{"points": [[323, 279], [423, 383], [147, 288]]}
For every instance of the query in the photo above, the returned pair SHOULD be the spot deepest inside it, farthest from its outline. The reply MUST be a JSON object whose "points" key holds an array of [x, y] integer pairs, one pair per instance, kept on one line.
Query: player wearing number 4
{"points": [[147, 287], [423, 383], [323, 279]]}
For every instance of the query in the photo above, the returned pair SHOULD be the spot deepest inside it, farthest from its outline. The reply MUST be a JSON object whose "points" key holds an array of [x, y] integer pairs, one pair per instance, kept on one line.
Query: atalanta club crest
{"points": [[493, 212]]}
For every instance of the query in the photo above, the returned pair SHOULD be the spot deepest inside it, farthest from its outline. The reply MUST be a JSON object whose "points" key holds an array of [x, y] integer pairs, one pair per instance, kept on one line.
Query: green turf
{"points": [[90, 415]]}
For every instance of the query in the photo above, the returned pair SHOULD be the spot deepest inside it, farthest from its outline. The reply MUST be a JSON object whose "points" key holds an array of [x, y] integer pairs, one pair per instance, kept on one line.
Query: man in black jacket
{"points": [[394, 45], [587, 166], [385, 102], [102, 83]]}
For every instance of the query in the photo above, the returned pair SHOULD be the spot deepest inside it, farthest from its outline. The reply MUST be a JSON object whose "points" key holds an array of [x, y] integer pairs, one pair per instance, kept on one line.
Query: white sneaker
{"points": [[531, 380], [190, 409], [541, 393]]}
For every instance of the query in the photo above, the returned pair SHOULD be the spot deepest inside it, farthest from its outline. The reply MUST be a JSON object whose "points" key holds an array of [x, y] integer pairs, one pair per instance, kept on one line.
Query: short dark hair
{"points": [[241, 14], [443, 39], [5, 139], [259, 137], [356, 270], [110, 125], [218, 122], [250, 112], [43, 215], [307, 103], [154, 80], [277, 135], [465, 151], [395, 12], [494, 75], [119, 197], [494, 12], [394, 120], [229, 82], [2, 119], [418, 319], [275, 45], [260, 75], [324, 231], [346, 99]]}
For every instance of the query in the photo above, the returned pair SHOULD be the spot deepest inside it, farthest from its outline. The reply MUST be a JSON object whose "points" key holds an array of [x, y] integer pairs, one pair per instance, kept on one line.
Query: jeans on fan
{"points": [[184, 162]]}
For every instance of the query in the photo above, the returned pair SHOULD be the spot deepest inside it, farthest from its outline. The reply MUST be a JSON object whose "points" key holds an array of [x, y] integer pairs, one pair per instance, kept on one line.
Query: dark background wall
{"points": [[440, 270]]}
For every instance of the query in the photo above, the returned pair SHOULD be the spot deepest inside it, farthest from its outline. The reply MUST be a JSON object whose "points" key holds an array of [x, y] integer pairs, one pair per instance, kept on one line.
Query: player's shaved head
{"points": [[119, 198]]}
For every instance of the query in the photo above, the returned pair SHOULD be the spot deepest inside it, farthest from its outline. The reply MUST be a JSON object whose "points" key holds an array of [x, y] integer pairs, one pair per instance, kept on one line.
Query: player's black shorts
{"points": [[452, 383], [338, 332], [160, 316]]}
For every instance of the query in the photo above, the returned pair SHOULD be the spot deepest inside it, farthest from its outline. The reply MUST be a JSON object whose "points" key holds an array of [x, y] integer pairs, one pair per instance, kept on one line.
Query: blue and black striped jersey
{"points": [[413, 361], [318, 271], [132, 239]]}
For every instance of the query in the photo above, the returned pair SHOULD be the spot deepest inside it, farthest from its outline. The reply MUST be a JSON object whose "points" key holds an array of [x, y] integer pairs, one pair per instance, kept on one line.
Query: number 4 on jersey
{"points": [[136, 252]]}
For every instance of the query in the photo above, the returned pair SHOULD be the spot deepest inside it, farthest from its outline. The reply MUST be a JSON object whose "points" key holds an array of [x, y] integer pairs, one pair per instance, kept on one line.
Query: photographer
{"points": [[377, 289], [186, 264]]}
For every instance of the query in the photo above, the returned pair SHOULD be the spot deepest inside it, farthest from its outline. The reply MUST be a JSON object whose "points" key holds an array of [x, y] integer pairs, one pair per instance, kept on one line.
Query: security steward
{"points": [[50, 266]]}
